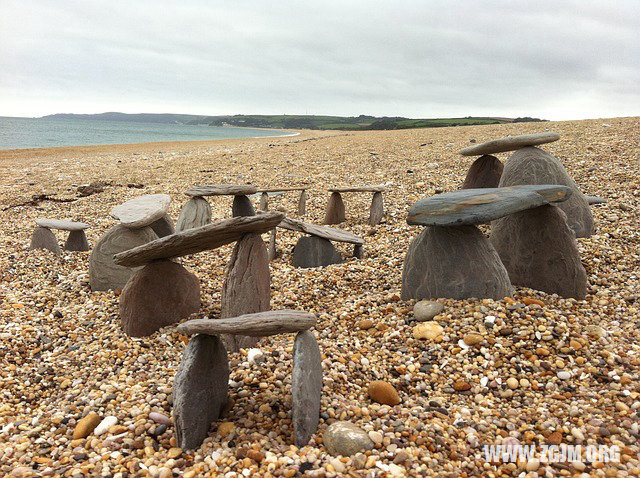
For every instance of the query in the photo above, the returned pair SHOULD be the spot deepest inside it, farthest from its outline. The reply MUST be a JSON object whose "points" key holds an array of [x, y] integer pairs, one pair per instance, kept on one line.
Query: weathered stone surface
{"points": [[595, 200], [346, 439], [281, 190], [247, 286], [163, 226], [191, 241], [477, 206], [104, 273], [199, 389], [485, 172], [315, 251], [510, 143], [264, 201], [62, 224], [376, 212], [259, 324], [242, 207], [330, 233], [306, 387], [453, 262], [160, 294], [302, 203], [335, 210], [534, 166], [77, 241], [222, 190], [195, 213], [540, 252], [425, 310], [273, 247], [43, 238], [142, 211], [358, 189]]}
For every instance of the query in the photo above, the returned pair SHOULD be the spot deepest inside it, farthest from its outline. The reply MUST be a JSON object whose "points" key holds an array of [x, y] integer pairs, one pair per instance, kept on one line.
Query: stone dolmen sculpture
{"points": [[163, 292], [197, 211], [137, 217], [43, 238], [335, 207], [302, 200], [451, 257], [316, 249], [201, 384], [531, 165]]}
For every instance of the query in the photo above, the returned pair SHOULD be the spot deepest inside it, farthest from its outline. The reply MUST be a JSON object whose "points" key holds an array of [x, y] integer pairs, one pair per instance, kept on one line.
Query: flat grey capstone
{"points": [[326, 232], [282, 190], [260, 324], [142, 210], [358, 189], [199, 389], [43, 238], [191, 241], [346, 439], [306, 387], [595, 200], [510, 143], [477, 206], [195, 213], [222, 190], [314, 251], [62, 224]]}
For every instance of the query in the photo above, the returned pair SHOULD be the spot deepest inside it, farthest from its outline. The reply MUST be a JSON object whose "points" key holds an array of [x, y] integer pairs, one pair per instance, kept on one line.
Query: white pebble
{"points": [[564, 375], [104, 425]]}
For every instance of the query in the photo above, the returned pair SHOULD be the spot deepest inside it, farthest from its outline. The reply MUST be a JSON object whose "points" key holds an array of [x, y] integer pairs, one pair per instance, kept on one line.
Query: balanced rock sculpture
{"points": [[201, 385], [43, 238], [266, 192], [451, 257], [510, 143], [335, 213]]}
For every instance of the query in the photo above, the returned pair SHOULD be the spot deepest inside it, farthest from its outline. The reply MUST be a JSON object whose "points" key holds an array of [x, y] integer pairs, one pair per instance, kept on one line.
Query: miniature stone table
{"points": [[452, 258], [335, 207], [197, 211], [201, 385], [164, 292], [317, 250], [43, 238], [302, 200]]}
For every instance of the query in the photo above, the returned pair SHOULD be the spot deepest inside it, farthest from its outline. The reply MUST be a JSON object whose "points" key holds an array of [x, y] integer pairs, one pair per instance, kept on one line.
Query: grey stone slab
{"points": [[76, 241], [306, 387], [142, 211], [242, 206], [595, 200], [477, 206], [510, 143], [195, 213], [163, 226], [376, 211], [330, 233], [313, 251], [43, 238], [485, 172], [222, 190], [335, 209], [358, 189], [260, 324], [62, 224], [191, 241]]}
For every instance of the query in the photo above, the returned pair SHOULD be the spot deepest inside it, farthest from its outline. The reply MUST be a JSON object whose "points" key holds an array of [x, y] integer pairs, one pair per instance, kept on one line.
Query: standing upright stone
{"points": [[531, 165], [195, 213], [306, 387], [77, 241], [247, 286], [485, 172], [242, 207], [163, 226], [314, 251], [200, 389], [376, 212], [302, 203], [539, 251], [43, 238], [335, 209], [264, 201]]}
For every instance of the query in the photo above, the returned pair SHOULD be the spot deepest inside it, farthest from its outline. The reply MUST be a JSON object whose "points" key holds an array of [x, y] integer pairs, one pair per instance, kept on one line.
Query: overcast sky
{"points": [[549, 59]]}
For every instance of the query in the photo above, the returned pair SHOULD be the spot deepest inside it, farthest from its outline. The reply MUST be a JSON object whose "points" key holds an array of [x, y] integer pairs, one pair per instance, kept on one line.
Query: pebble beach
{"points": [[536, 369]]}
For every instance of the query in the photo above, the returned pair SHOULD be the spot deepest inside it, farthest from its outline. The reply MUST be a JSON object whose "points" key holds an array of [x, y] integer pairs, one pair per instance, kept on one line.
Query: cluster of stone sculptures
{"points": [[44, 238]]}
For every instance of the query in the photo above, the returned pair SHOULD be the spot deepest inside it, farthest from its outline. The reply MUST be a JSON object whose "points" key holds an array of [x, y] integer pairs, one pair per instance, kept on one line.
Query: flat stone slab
{"points": [[325, 232], [62, 224], [358, 189], [260, 324], [478, 206], [222, 190], [142, 211], [283, 190], [595, 200], [510, 143], [191, 241]]}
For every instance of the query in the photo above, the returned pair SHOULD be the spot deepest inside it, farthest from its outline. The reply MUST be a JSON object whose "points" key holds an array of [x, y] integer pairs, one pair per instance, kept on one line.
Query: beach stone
{"points": [[104, 273], [485, 172], [222, 190], [86, 425], [313, 251], [477, 206], [62, 224], [76, 241], [199, 389], [163, 226], [425, 310], [160, 294], [306, 387], [247, 286], [104, 425], [428, 330], [358, 251], [539, 251], [259, 324], [534, 166], [358, 189], [242, 207], [160, 418], [326, 232], [43, 238], [595, 200], [142, 211], [302, 203], [376, 212], [195, 213], [453, 262], [346, 439], [335, 210], [510, 143], [264, 201], [383, 392]]}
